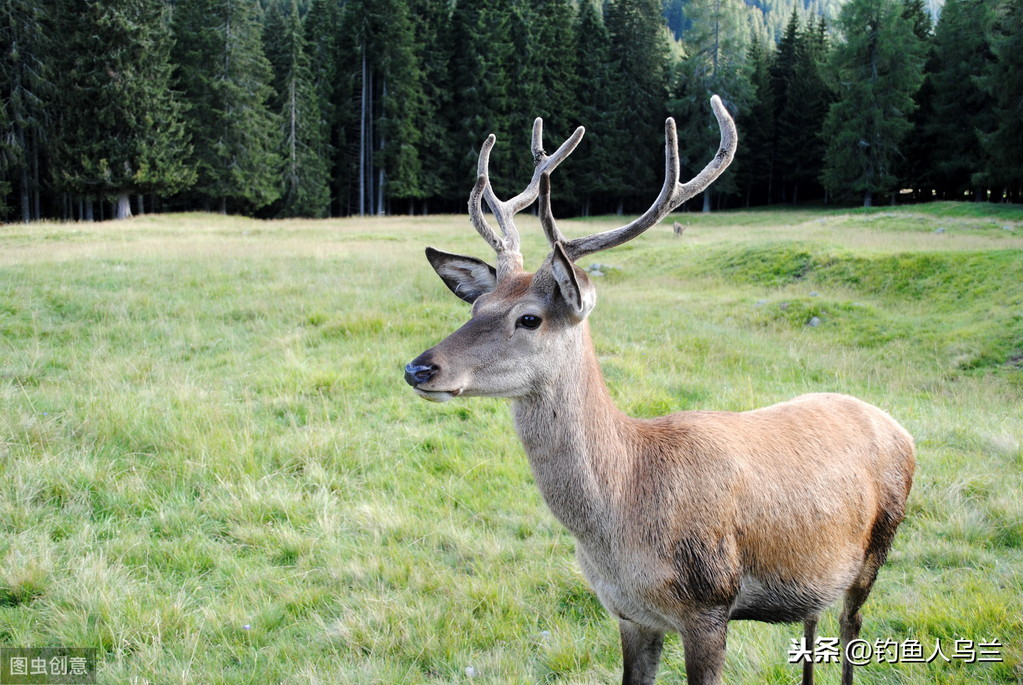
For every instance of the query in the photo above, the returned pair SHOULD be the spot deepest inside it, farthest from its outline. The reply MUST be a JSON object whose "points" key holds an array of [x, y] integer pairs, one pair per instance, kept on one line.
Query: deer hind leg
{"points": [[703, 640], [809, 639], [850, 621], [641, 653]]}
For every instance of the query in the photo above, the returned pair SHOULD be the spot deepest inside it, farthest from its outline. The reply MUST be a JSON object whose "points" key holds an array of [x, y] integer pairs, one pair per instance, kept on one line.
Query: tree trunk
{"points": [[706, 201], [123, 205], [140, 205], [362, 140], [26, 212], [88, 210], [223, 205], [868, 199]]}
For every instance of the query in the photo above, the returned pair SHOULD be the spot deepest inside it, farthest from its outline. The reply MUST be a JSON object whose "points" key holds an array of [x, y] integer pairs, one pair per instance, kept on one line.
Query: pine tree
{"points": [[715, 63], [225, 80], [481, 87], [389, 101], [756, 144], [1003, 81], [960, 107], [639, 48], [800, 147], [25, 89], [547, 86], [119, 131], [596, 87], [917, 167], [783, 69], [877, 70], [322, 33], [304, 179], [431, 19]]}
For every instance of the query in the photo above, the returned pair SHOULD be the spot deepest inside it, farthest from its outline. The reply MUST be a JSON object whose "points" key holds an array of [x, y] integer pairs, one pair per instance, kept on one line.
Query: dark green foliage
{"points": [[807, 96], [640, 58], [304, 179], [380, 106], [757, 141], [1003, 82], [480, 85], [322, 32], [917, 168], [434, 52], [960, 108], [877, 71], [225, 78], [24, 88], [119, 129], [596, 98], [381, 62], [716, 50]]}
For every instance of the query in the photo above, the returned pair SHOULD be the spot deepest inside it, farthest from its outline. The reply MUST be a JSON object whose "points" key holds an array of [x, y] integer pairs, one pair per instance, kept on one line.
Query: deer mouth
{"points": [[438, 395]]}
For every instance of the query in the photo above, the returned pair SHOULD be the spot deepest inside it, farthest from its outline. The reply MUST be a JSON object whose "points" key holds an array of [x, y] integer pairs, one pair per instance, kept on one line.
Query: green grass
{"points": [[212, 471]]}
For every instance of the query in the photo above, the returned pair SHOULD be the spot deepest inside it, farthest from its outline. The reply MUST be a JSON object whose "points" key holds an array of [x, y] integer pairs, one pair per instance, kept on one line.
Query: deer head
{"points": [[527, 328]]}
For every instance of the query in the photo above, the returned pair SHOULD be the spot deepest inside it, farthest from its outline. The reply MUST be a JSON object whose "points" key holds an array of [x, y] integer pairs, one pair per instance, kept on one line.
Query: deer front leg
{"points": [[641, 653], [703, 640]]}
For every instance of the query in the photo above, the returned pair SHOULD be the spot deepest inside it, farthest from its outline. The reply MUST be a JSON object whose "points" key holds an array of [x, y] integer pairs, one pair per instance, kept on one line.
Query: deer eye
{"points": [[530, 321]]}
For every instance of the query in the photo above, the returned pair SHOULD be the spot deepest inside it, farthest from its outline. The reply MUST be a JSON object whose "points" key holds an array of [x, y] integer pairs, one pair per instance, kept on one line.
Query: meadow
{"points": [[212, 471]]}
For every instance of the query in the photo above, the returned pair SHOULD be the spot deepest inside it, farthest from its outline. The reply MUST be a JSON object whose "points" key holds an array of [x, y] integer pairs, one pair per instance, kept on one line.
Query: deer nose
{"points": [[416, 374]]}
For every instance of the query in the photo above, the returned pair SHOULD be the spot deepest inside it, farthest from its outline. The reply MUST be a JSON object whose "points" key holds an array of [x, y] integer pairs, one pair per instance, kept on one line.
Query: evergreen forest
{"points": [[316, 108]]}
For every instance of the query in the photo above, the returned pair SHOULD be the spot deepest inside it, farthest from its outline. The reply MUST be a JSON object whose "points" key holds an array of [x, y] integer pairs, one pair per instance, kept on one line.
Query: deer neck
{"points": [[576, 440]]}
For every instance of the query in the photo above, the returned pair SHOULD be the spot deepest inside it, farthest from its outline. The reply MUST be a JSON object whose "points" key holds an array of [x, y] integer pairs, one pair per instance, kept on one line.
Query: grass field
{"points": [[212, 471]]}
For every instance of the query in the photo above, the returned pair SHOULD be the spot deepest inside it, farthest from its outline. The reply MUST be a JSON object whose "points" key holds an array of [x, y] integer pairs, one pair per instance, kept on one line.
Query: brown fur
{"points": [[689, 520]]}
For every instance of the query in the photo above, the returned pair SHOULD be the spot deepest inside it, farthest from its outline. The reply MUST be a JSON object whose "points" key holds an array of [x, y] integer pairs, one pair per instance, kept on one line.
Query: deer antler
{"points": [[673, 193], [507, 248]]}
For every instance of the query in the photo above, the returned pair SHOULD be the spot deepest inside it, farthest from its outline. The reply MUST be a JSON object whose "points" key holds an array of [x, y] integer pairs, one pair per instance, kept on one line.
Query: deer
{"points": [[687, 521]]}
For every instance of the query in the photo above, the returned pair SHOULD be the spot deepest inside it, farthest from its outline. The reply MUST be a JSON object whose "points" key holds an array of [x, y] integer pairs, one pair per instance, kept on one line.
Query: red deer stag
{"points": [[686, 521]]}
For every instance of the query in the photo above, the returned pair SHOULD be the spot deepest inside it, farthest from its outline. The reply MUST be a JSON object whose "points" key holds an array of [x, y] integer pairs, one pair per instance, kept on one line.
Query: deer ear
{"points": [[466, 277], [575, 288]]}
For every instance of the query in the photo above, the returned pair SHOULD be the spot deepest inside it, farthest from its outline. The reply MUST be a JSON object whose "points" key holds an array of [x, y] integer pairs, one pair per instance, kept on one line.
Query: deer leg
{"points": [[850, 622], [809, 639], [641, 653], [703, 639]]}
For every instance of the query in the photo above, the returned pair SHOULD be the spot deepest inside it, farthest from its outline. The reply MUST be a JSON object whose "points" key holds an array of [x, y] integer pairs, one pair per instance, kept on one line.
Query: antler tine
{"points": [[475, 198], [544, 163], [550, 228], [507, 247], [672, 192]]}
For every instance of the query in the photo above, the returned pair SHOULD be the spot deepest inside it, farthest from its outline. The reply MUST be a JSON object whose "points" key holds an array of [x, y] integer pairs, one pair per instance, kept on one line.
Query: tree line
{"points": [[345, 107]]}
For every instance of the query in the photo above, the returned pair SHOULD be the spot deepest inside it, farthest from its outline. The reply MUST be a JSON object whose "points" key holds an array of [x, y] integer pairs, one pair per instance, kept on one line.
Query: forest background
{"points": [[314, 108]]}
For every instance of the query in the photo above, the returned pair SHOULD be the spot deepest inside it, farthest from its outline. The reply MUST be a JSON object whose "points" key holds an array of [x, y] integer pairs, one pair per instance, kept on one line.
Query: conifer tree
{"points": [[25, 89], [800, 147], [119, 130], [917, 167], [225, 80], [431, 19], [960, 107], [877, 69], [390, 99], [639, 48], [546, 85], [716, 49], [322, 33], [756, 144], [480, 96], [596, 87], [1003, 81], [304, 179]]}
